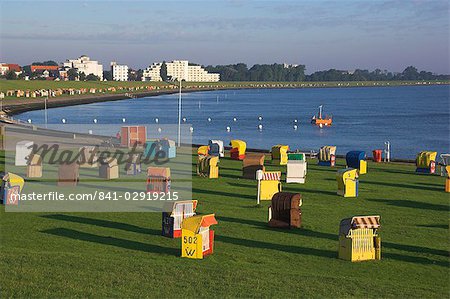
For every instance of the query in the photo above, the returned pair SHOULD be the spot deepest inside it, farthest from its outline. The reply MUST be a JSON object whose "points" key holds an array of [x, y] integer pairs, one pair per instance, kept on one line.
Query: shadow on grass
{"points": [[334, 237], [278, 247], [397, 185], [254, 186], [111, 241], [104, 223], [220, 193], [443, 226], [405, 203]]}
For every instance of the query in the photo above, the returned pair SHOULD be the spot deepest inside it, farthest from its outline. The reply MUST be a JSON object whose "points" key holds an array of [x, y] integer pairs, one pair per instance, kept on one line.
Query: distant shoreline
{"points": [[14, 106]]}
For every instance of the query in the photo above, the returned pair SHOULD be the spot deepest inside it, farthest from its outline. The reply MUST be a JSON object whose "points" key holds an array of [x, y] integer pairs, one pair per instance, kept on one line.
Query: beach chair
{"points": [[68, 174], [296, 168], [357, 160], [268, 184], [34, 167], [88, 156], [24, 149], [197, 239], [202, 151], [444, 161], [171, 221], [109, 169], [347, 181], [426, 162], [11, 188], [279, 154], [359, 239], [133, 165], [168, 146], [153, 149], [251, 164], [216, 148], [284, 210], [133, 136], [327, 156], [207, 167], [158, 179], [238, 148], [447, 180]]}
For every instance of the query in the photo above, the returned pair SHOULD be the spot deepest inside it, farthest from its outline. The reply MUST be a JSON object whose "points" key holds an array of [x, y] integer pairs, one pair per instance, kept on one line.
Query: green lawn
{"points": [[42, 84], [123, 254]]}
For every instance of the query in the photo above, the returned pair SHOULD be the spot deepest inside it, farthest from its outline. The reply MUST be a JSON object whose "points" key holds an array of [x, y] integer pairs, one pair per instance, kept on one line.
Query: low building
{"points": [[85, 65], [179, 70], [6, 67], [119, 72], [42, 68]]}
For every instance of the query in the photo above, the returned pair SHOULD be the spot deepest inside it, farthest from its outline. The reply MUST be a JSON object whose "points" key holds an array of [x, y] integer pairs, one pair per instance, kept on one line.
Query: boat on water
{"points": [[320, 120]]}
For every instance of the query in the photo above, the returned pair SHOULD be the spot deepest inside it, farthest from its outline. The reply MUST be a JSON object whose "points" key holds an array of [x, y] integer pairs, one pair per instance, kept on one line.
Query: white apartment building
{"points": [[85, 65], [179, 69], [119, 72]]}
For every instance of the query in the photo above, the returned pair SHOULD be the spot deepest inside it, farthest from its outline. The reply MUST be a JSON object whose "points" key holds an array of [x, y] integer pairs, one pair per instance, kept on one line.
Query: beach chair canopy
{"points": [[36, 160], [424, 159], [177, 204], [158, 172], [239, 144], [271, 176], [196, 222], [110, 162], [253, 159], [326, 151], [297, 156], [203, 150], [353, 158], [358, 222], [14, 180]]}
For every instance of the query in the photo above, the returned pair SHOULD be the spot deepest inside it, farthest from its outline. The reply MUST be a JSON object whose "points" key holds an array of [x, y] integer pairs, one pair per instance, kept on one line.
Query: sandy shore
{"points": [[12, 107]]}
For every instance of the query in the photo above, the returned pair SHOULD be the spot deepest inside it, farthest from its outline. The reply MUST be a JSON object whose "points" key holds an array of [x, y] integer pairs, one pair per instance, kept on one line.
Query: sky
{"points": [[319, 34]]}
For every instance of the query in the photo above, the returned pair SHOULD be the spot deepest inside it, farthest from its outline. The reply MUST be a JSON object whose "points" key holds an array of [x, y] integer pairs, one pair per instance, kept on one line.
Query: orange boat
{"points": [[320, 121]]}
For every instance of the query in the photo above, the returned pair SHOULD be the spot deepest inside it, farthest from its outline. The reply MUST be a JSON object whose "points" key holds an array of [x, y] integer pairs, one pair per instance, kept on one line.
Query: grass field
{"points": [[40, 84], [123, 254]]}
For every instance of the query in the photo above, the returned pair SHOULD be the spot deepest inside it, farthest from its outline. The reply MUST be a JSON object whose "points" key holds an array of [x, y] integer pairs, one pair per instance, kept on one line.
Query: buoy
{"points": [[90, 132], [29, 121], [209, 119], [228, 129], [260, 118], [124, 120], [63, 120], [295, 121], [159, 130], [184, 119], [234, 119], [260, 127], [295, 127], [156, 120], [95, 120], [191, 129], [321, 125]]}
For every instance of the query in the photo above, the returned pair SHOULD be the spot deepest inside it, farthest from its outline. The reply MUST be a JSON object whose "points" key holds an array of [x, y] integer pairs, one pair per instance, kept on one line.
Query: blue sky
{"points": [[320, 34]]}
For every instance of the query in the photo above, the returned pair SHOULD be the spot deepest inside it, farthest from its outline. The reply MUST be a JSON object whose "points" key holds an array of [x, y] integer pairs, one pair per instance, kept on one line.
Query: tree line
{"points": [[280, 72]]}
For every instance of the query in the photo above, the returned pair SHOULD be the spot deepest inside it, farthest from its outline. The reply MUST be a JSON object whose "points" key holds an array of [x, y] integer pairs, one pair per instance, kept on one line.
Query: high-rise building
{"points": [[85, 65], [119, 72], [179, 70]]}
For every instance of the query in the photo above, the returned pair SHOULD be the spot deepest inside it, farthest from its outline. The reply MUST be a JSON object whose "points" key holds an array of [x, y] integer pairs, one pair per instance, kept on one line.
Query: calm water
{"points": [[411, 118]]}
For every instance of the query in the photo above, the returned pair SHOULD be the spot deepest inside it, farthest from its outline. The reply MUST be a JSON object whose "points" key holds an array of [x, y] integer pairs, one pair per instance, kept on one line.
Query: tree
{"points": [[82, 76], [410, 73], [91, 77], [163, 71], [107, 75], [72, 74], [10, 75]]}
